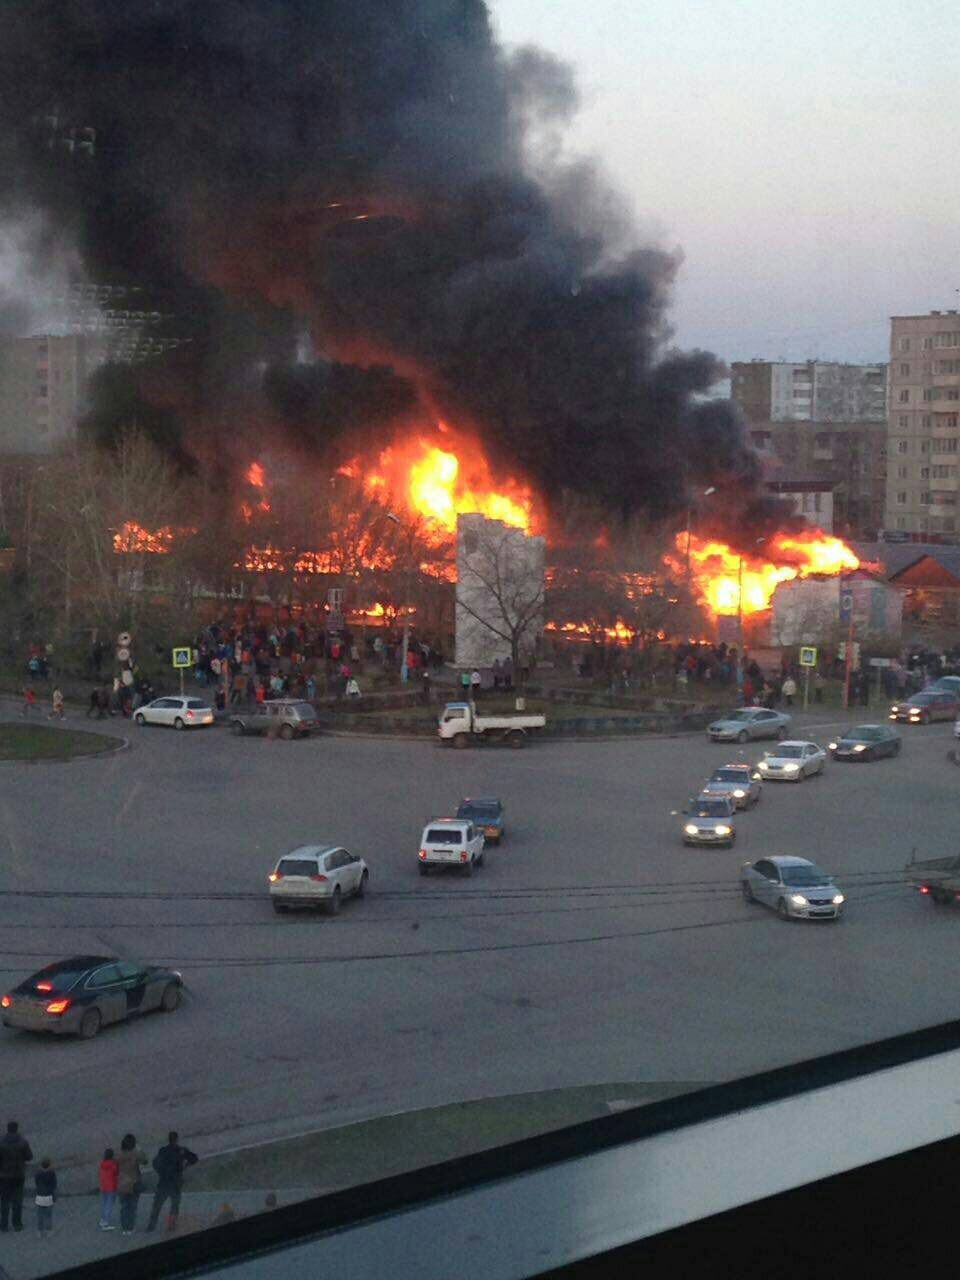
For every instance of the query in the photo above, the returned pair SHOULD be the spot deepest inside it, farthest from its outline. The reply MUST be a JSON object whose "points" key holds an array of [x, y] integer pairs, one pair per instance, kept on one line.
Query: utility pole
{"points": [[740, 629], [404, 670]]}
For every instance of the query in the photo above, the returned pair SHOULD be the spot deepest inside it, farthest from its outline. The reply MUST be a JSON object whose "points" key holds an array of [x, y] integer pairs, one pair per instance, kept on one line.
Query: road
{"points": [[592, 947]]}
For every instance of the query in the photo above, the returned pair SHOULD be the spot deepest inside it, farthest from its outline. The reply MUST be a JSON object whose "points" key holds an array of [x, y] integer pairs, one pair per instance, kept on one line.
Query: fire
{"points": [[439, 484], [722, 577], [132, 537], [255, 475]]}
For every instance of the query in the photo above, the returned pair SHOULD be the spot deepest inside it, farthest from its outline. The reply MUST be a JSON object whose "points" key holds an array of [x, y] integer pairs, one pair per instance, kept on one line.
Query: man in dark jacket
{"points": [[169, 1163], [15, 1154]]}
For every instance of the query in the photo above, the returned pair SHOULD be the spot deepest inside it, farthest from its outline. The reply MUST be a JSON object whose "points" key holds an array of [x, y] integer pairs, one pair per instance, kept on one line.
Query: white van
{"points": [[451, 842]]}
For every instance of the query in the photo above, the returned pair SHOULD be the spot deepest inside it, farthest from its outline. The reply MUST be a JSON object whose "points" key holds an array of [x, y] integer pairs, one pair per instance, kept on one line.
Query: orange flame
{"points": [[255, 475], [132, 537], [720, 576]]}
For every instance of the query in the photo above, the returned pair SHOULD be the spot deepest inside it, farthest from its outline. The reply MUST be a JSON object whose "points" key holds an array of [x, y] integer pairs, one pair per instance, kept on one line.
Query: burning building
{"points": [[818, 610], [500, 592]]}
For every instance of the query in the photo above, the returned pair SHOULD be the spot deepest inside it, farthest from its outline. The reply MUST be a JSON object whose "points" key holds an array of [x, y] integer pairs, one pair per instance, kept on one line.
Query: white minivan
{"points": [[451, 842]]}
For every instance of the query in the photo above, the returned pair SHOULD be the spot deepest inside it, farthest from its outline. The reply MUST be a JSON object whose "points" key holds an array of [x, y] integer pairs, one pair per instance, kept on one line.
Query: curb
{"points": [[122, 745]]}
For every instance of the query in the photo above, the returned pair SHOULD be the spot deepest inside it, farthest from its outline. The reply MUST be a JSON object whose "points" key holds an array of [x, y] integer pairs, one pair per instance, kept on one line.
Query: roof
{"points": [[794, 742], [310, 850], [789, 860], [898, 556], [456, 822], [79, 962]]}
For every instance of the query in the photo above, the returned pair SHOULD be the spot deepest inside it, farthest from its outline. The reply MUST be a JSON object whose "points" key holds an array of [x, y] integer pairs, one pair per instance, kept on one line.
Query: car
{"points": [[949, 683], [283, 717], [793, 761], [749, 722], [485, 814], [320, 876], [451, 842], [740, 782], [795, 887], [866, 742], [81, 994], [709, 820], [182, 713], [931, 704]]}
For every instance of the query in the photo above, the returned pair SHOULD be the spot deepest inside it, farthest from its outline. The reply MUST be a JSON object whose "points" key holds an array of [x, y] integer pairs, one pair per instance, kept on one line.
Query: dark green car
{"points": [[486, 816], [866, 742]]}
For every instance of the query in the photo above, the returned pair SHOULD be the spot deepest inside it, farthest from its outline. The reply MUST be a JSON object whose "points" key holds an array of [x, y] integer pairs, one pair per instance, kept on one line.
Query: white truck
{"points": [[461, 724]]}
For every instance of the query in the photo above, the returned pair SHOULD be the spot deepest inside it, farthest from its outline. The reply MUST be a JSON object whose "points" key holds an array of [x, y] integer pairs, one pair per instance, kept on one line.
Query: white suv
{"points": [[317, 876], [451, 842]]}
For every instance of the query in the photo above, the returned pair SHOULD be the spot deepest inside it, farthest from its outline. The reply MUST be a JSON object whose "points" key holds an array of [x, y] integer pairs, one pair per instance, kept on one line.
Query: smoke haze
{"points": [[385, 175]]}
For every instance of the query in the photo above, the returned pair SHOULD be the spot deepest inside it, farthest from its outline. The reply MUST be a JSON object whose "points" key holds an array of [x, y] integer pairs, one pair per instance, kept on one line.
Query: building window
{"points": [[944, 499], [901, 522], [904, 396], [904, 419], [942, 471], [924, 446], [902, 473], [903, 446], [925, 499], [948, 366], [924, 473], [927, 344], [922, 525], [947, 339], [948, 420], [949, 524], [901, 499], [926, 420], [904, 371], [945, 446], [904, 344]]}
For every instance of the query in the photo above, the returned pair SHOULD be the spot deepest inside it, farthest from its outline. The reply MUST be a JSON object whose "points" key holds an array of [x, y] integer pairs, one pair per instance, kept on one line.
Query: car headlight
{"points": [[791, 768], [859, 747], [763, 765], [798, 899], [894, 710], [832, 746], [723, 831], [838, 899], [690, 829], [739, 793]]}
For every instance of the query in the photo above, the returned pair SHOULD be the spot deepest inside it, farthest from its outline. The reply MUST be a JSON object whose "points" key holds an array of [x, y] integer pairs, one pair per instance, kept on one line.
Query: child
{"points": [[56, 705], [45, 1184], [29, 701], [109, 1171]]}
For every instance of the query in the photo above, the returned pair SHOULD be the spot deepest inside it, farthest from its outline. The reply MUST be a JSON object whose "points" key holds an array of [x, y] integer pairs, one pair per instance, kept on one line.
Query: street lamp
{"points": [[404, 672]]}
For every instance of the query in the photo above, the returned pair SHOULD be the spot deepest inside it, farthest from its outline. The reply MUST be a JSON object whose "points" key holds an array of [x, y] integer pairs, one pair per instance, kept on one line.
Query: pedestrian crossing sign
{"points": [[182, 658], [808, 656]]}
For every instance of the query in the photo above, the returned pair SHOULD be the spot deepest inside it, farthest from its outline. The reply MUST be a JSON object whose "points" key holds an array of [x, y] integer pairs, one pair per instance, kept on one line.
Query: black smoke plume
{"points": [[377, 175]]}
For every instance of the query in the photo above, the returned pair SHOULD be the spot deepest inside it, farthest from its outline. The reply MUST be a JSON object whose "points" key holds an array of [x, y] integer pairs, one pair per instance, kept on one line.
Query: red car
{"points": [[931, 704]]}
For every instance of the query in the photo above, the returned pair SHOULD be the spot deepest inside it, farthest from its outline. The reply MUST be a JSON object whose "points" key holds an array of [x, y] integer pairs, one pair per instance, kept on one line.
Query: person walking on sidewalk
{"points": [[169, 1163], [109, 1169], [45, 1193], [29, 702], [15, 1155], [130, 1163], [56, 705]]}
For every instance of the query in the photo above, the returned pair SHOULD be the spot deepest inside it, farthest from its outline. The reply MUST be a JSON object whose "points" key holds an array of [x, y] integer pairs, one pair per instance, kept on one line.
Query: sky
{"points": [[801, 154]]}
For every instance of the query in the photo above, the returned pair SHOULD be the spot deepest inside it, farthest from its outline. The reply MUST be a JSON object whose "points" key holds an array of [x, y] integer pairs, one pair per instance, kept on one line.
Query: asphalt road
{"points": [[592, 947]]}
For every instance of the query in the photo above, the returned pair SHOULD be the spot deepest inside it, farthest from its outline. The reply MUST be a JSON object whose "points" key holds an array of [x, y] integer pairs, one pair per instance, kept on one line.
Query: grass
{"points": [[38, 742]]}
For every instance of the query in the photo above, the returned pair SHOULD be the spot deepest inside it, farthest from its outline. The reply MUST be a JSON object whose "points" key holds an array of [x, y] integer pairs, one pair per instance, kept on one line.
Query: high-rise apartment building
{"points": [[924, 427], [820, 428], [43, 387]]}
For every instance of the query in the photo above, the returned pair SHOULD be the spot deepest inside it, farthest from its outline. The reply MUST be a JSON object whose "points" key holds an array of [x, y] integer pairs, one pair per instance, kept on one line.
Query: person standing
{"points": [[130, 1163], [818, 685], [109, 1169], [789, 690], [56, 705], [15, 1155], [465, 683], [45, 1193], [475, 683], [169, 1163], [29, 702]]}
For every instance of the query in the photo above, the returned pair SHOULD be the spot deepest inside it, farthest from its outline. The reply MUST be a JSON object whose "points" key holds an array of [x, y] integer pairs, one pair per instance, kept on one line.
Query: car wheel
{"points": [[460, 740], [468, 868], [140, 719], [333, 907], [742, 736], [479, 859], [90, 1024], [517, 738], [286, 732], [178, 723], [783, 911], [362, 887], [747, 891], [237, 728], [170, 999]]}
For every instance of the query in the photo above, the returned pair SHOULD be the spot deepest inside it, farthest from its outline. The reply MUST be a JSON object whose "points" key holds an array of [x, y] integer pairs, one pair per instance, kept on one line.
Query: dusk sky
{"points": [[802, 155]]}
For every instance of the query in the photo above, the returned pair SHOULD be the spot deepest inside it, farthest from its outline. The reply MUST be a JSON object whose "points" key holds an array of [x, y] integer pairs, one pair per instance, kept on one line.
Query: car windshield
{"points": [[304, 710], [786, 752], [741, 715], [479, 812], [298, 867], [868, 734], [798, 876], [922, 699], [730, 775], [711, 809]]}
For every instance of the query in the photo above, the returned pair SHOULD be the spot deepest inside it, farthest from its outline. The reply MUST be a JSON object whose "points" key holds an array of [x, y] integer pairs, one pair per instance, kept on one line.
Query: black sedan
{"points": [[866, 742], [80, 995]]}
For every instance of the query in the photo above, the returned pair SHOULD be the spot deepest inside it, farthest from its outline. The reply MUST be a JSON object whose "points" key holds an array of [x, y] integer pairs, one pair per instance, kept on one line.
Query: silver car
{"points": [[317, 876], [181, 713], [795, 887], [740, 782], [747, 723], [709, 820], [793, 761]]}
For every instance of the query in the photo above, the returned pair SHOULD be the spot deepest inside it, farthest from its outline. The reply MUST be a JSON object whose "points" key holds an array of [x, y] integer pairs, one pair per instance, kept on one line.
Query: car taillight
{"points": [[6, 1002], [275, 875], [189, 715], [59, 1006], [463, 857], [924, 888], [423, 853], [318, 877]]}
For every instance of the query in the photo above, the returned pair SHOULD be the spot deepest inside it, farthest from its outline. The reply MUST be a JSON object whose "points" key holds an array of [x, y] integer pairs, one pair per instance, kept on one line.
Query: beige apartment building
{"points": [[924, 427], [43, 382]]}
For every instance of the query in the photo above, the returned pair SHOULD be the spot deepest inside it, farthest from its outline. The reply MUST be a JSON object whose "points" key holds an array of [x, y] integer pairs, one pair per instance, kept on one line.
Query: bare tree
{"points": [[500, 587]]}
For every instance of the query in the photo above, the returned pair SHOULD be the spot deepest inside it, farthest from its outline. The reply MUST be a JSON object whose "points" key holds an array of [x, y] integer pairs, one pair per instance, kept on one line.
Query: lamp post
{"points": [[404, 671]]}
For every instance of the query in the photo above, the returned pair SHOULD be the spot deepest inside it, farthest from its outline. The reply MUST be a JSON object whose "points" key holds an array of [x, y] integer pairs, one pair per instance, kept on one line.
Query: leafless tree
{"points": [[501, 587]]}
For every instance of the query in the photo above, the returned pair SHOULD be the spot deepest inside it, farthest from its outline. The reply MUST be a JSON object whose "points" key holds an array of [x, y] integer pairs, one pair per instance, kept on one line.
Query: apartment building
{"points": [[924, 427], [820, 428], [43, 382]]}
